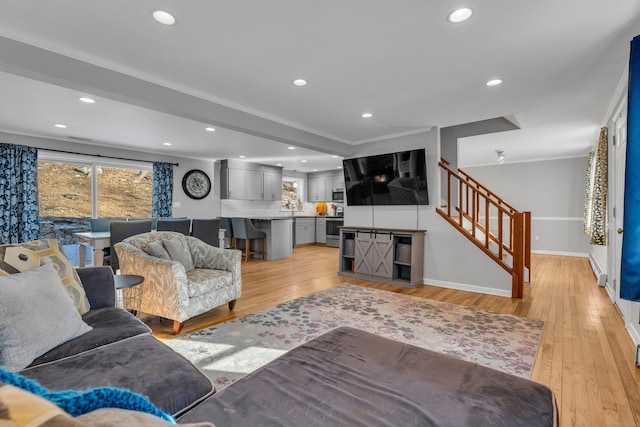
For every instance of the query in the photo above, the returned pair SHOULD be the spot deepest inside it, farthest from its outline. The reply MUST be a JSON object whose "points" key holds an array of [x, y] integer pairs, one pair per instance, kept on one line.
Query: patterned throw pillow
{"points": [[20, 257]]}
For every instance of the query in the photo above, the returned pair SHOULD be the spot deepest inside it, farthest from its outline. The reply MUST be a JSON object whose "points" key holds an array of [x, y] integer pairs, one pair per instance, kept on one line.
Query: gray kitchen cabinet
{"points": [[254, 187], [316, 190], [321, 230], [322, 184], [235, 184], [305, 231], [249, 181], [272, 186]]}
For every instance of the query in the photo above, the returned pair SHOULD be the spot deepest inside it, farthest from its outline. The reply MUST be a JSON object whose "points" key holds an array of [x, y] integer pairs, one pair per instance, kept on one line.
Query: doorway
{"points": [[619, 157]]}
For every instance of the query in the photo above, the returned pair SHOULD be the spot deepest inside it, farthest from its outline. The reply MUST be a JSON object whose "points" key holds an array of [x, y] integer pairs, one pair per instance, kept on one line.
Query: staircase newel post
{"points": [[527, 241], [518, 255]]}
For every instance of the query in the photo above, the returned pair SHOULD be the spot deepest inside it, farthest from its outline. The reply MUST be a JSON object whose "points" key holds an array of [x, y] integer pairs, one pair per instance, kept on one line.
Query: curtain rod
{"points": [[100, 155]]}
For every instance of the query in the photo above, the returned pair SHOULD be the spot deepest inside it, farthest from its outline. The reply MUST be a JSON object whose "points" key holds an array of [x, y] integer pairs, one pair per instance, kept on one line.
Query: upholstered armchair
{"points": [[183, 276]]}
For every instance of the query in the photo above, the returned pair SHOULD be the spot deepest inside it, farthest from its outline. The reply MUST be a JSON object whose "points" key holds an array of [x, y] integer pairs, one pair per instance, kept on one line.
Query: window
{"points": [[292, 193], [64, 189], [67, 189], [124, 193]]}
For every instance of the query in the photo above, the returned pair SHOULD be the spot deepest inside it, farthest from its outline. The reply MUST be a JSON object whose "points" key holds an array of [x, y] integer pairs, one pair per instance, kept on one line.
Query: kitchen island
{"points": [[279, 241]]}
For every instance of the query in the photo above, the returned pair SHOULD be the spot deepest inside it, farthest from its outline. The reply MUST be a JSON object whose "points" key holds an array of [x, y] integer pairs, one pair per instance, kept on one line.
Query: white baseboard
{"points": [[468, 288], [578, 254], [601, 276], [633, 332]]}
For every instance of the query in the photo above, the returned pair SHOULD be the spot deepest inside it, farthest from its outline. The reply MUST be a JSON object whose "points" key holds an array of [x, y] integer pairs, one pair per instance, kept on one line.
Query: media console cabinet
{"points": [[387, 255]]}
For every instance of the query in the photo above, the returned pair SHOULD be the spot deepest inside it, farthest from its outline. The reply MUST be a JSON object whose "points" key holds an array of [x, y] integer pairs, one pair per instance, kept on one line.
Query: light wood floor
{"points": [[586, 357]]}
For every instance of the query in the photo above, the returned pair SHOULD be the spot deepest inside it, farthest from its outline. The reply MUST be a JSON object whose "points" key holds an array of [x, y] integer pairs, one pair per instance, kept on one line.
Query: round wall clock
{"points": [[196, 184]]}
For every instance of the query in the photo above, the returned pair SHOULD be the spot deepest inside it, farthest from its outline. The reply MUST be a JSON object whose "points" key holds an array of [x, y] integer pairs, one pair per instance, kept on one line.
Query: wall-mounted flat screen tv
{"points": [[387, 179]]}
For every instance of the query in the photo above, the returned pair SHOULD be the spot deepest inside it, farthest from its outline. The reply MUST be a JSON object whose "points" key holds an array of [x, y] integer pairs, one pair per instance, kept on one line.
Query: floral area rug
{"points": [[230, 350]]}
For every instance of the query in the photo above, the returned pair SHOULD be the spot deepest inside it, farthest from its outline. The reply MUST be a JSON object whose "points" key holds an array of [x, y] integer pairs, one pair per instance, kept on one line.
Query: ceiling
{"points": [[230, 64]]}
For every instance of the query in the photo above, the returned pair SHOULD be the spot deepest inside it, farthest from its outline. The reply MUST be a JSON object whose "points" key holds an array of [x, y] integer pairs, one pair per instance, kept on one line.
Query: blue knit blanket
{"points": [[78, 402]]}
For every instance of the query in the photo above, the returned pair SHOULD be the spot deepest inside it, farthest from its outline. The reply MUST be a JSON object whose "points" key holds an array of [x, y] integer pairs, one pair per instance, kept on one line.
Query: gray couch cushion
{"points": [[109, 325], [348, 377], [141, 364], [157, 250], [30, 302]]}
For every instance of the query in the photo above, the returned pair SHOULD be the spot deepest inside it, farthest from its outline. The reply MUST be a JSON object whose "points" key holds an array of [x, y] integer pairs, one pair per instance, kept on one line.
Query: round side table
{"points": [[131, 298]]}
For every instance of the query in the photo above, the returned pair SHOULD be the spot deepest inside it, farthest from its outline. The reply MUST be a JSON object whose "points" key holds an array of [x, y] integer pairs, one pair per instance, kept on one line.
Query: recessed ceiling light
{"points": [[303, 161], [242, 157], [87, 100], [366, 115], [494, 82], [164, 18], [210, 129], [291, 148], [299, 82], [61, 126], [278, 164], [166, 143], [460, 15], [315, 170], [339, 167], [334, 156]]}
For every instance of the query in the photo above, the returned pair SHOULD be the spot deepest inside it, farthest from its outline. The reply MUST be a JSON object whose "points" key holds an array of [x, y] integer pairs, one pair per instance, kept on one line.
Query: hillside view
{"points": [[65, 191]]}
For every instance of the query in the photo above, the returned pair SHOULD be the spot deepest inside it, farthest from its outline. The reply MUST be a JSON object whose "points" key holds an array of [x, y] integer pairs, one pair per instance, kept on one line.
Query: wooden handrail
{"points": [[474, 197]]}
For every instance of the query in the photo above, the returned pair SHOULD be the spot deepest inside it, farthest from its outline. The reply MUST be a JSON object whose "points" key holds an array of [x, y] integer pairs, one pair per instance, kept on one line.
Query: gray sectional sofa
{"points": [[119, 352], [345, 377]]}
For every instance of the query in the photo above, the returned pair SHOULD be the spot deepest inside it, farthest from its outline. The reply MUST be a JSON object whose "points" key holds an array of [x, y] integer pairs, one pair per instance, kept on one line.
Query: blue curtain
{"points": [[162, 189], [630, 265], [19, 214]]}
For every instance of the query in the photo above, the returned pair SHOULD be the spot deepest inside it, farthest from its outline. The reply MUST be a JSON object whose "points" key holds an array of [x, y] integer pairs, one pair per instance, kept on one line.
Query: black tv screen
{"points": [[387, 179]]}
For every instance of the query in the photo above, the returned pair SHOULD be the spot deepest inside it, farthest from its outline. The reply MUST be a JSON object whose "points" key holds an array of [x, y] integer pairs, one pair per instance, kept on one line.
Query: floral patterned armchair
{"points": [[183, 276]]}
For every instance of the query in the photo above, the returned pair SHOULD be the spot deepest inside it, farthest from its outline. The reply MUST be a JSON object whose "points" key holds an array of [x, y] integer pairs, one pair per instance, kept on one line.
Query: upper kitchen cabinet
{"points": [[322, 184], [272, 186], [249, 181]]}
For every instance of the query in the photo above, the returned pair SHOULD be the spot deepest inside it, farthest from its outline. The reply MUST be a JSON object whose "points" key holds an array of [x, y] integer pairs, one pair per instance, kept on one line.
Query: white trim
{"points": [[577, 156], [561, 253], [621, 90], [633, 333], [601, 276], [538, 218], [467, 287], [557, 218]]}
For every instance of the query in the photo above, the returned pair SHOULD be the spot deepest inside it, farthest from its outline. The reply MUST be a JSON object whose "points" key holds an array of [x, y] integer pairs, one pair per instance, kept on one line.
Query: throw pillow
{"points": [[157, 250], [36, 315], [20, 257], [179, 251]]}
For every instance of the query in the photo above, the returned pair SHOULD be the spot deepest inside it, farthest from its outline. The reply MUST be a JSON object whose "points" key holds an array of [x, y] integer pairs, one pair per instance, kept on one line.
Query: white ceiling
{"points": [[230, 64]]}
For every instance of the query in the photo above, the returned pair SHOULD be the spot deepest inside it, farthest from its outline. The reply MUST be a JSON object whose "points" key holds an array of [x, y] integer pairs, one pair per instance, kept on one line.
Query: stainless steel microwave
{"points": [[337, 195]]}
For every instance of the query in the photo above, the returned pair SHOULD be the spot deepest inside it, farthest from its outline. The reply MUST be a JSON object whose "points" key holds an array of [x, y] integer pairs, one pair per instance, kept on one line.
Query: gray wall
{"points": [[450, 260], [553, 191]]}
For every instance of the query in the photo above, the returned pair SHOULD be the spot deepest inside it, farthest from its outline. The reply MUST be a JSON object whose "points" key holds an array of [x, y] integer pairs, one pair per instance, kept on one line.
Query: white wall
{"points": [[553, 191], [450, 260]]}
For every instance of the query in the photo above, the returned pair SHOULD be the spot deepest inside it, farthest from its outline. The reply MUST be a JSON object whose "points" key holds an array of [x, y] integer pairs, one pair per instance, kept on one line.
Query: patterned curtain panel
{"points": [[597, 225], [162, 189], [19, 214], [588, 188], [630, 262]]}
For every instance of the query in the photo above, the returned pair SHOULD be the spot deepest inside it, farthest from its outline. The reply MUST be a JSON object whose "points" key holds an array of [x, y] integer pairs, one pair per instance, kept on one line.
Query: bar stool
{"points": [[225, 223], [243, 229]]}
